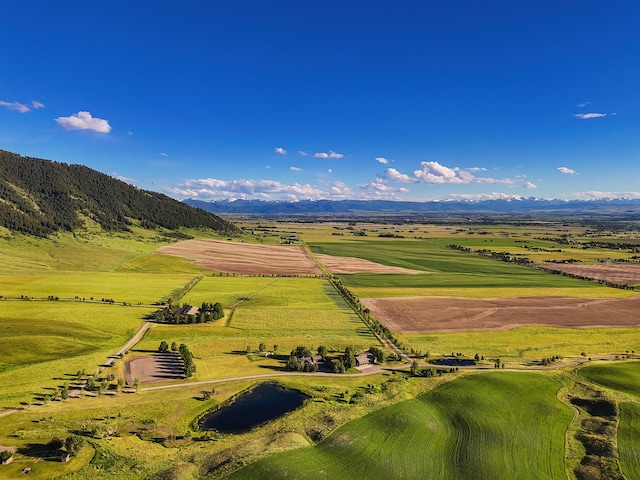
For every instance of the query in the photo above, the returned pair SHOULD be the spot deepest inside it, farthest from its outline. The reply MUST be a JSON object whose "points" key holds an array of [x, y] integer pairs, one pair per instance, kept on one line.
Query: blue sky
{"points": [[412, 100]]}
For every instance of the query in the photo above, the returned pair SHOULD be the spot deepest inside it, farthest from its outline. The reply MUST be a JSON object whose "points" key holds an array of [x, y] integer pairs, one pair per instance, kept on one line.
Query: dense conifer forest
{"points": [[39, 197]]}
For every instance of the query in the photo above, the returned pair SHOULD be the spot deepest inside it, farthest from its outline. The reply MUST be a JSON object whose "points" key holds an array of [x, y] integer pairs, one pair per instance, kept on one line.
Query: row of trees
{"points": [[185, 354]]}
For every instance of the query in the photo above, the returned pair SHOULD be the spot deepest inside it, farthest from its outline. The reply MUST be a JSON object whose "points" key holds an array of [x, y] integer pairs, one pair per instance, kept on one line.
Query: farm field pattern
{"points": [[70, 303]]}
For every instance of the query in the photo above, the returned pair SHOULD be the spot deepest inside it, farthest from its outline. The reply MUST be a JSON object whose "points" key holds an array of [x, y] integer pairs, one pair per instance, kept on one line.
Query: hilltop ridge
{"points": [[40, 197]]}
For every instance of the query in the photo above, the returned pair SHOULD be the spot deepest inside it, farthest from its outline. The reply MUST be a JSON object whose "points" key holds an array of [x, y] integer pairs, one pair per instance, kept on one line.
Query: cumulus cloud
{"points": [[382, 160], [331, 154], [130, 181], [295, 169], [596, 195], [330, 170], [280, 150], [210, 188], [566, 170], [529, 185], [303, 153], [21, 107], [378, 189], [434, 173], [478, 197], [164, 154], [393, 174], [587, 116], [84, 121]]}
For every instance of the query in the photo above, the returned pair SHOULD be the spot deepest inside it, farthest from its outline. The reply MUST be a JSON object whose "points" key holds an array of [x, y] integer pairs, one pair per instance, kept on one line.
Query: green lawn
{"points": [[475, 427]]}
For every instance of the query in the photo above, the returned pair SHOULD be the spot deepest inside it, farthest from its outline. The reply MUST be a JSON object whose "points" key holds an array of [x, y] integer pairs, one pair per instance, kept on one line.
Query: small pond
{"points": [[264, 403]]}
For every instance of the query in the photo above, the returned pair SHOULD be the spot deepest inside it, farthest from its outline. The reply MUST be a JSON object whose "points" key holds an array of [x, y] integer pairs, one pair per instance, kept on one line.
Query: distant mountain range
{"points": [[39, 197], [520, 205]]}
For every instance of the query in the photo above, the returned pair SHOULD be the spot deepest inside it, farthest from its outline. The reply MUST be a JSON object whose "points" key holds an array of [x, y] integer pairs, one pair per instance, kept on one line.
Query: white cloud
{"points": [[478, 197], [476, 169], [529, 185], [587, 116], [331, 154], [130, 181], [393, 174], [596, 195], [295, 169], [566, 170], [329, 170], [35, 104], [164, 154], [304, 154], [380, 190], [17, 106], [583, 104], [382, 160], [280, 150], [434, 173], [84, 121]]}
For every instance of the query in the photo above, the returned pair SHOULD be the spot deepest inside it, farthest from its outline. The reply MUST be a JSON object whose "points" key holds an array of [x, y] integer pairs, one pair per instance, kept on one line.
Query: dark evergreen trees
{"points": [[39, 197]]}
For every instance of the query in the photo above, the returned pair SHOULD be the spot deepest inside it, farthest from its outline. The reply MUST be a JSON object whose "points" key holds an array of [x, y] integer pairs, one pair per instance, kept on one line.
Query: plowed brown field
{"points": [[359, 265], [627, 274], [449, 314], [244, 258]]}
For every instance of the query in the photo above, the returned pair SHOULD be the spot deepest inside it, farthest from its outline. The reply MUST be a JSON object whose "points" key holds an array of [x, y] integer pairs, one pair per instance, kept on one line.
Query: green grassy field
{"points": [[629, 439], [475, 427], [525, 344], [447, 269], [621, 376], [286, 312]]}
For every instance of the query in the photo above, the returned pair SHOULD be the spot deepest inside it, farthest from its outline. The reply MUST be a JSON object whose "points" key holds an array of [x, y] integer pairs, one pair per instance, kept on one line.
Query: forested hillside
{"points": [[39, 197]]}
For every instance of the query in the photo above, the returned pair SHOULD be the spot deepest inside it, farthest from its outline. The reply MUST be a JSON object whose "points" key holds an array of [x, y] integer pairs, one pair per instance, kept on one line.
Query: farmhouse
{"points": [[188, 310], [365, 359]]}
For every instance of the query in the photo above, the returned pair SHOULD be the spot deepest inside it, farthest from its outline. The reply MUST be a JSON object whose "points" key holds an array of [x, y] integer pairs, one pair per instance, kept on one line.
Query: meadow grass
{"points": [[621, 376], [474, 427], [44, 343], [525, 344], [629, 439], [286, 312], [132, 288], [591, 291]]}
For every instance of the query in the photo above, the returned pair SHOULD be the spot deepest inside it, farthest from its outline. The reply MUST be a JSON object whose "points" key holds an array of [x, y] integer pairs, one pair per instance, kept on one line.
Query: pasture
{"points": [[525, 344], [629, 439], [286, 312], [474, 427], [620, 376]]}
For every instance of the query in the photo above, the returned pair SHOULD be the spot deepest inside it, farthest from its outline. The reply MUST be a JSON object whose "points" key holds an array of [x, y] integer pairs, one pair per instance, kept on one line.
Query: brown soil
{"points": [[244, 258], [627, 274], [452, 314], [159, 367], [359, 265]]}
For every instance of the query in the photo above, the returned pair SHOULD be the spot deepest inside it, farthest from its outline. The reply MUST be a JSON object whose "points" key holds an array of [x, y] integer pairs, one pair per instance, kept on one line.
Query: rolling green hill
{"points": [[39, 197], [476, 427]]}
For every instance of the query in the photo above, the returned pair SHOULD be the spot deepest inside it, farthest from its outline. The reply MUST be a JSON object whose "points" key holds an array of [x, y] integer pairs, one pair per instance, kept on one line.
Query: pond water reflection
{"points": [[264, 403]]}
